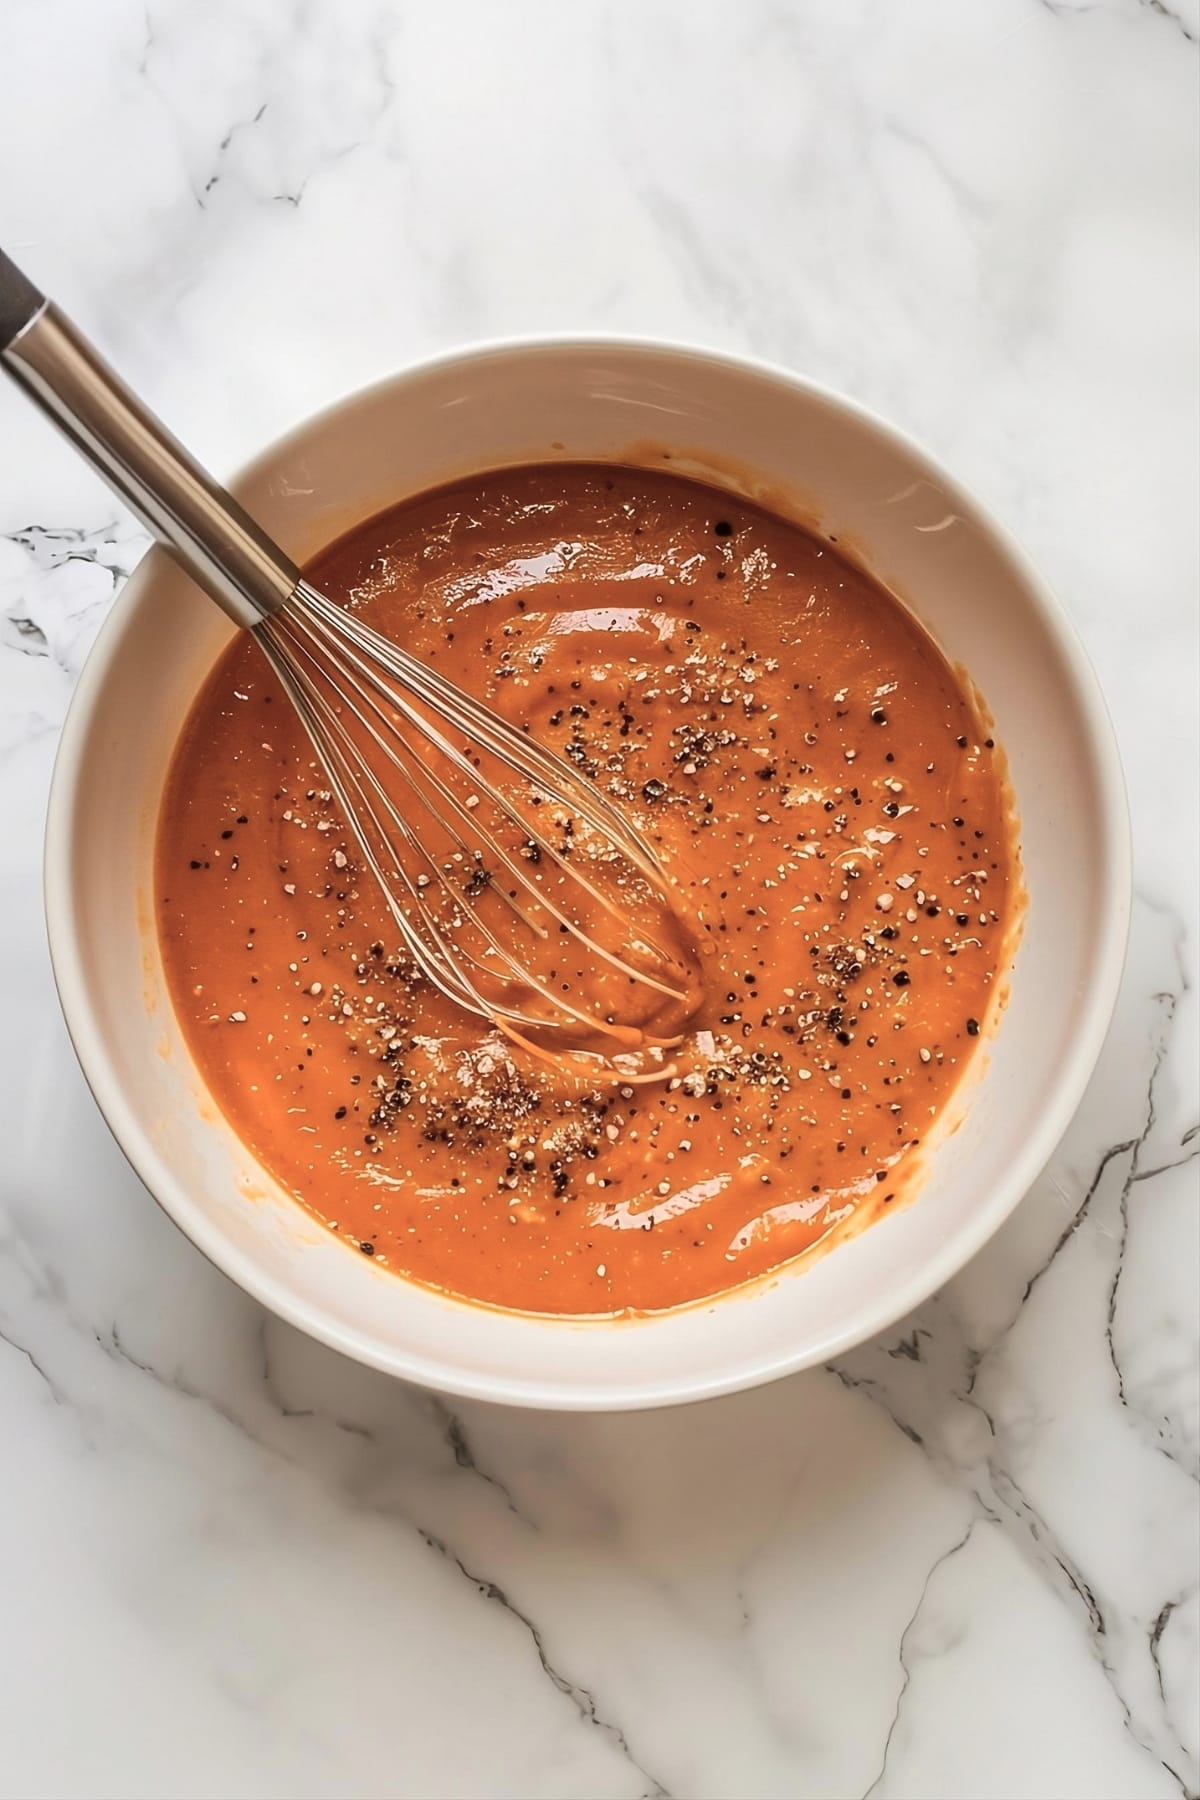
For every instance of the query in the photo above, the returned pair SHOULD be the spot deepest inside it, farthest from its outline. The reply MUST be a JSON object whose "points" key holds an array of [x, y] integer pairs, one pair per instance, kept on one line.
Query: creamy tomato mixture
{"points": [[803, 759]]}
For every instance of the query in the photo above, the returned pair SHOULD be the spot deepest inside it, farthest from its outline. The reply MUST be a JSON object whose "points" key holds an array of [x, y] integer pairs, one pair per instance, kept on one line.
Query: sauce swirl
{"points": [[809, 768]]}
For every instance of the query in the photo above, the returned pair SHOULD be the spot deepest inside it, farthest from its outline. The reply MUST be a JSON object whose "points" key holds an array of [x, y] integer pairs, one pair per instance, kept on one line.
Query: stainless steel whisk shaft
{"points": [[444, 797]]}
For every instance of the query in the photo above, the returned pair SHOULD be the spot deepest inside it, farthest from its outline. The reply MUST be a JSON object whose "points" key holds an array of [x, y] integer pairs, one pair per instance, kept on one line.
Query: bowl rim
{"points": [[1057, 1108]]}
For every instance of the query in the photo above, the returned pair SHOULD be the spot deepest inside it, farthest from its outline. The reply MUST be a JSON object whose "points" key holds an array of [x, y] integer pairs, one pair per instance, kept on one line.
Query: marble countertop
{"points": [[963, 1561]]}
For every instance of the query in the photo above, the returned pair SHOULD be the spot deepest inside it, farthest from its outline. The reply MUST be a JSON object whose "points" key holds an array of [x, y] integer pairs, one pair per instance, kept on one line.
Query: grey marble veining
{"points": [[963, 1560]]}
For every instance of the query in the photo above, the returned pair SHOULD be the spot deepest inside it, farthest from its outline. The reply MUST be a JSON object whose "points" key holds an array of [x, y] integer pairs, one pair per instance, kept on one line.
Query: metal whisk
{"points": [[519, 890]]}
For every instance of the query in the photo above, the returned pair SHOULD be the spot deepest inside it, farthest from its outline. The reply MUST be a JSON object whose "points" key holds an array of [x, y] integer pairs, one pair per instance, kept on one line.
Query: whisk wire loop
{"points": [[445, 839]]}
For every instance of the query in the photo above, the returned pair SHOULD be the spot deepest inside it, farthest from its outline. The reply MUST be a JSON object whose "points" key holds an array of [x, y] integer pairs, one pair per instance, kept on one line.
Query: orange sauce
{"points": [[805, 762]]}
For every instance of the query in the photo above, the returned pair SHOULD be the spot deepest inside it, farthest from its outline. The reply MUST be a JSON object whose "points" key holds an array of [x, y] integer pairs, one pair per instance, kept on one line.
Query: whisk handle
{"points": [[214, 538], [19, 301]]}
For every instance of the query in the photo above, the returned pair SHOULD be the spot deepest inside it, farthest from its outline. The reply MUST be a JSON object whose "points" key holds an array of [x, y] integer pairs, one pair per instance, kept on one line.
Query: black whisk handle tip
{"points": [[20, 301]]}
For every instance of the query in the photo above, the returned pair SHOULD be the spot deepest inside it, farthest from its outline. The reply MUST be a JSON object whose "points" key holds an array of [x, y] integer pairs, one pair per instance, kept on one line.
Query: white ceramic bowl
{"points": [[770, 435]]}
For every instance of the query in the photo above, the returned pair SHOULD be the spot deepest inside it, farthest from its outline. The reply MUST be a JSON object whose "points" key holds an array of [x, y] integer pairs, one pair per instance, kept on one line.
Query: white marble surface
{"points": [[963, 1562]]}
